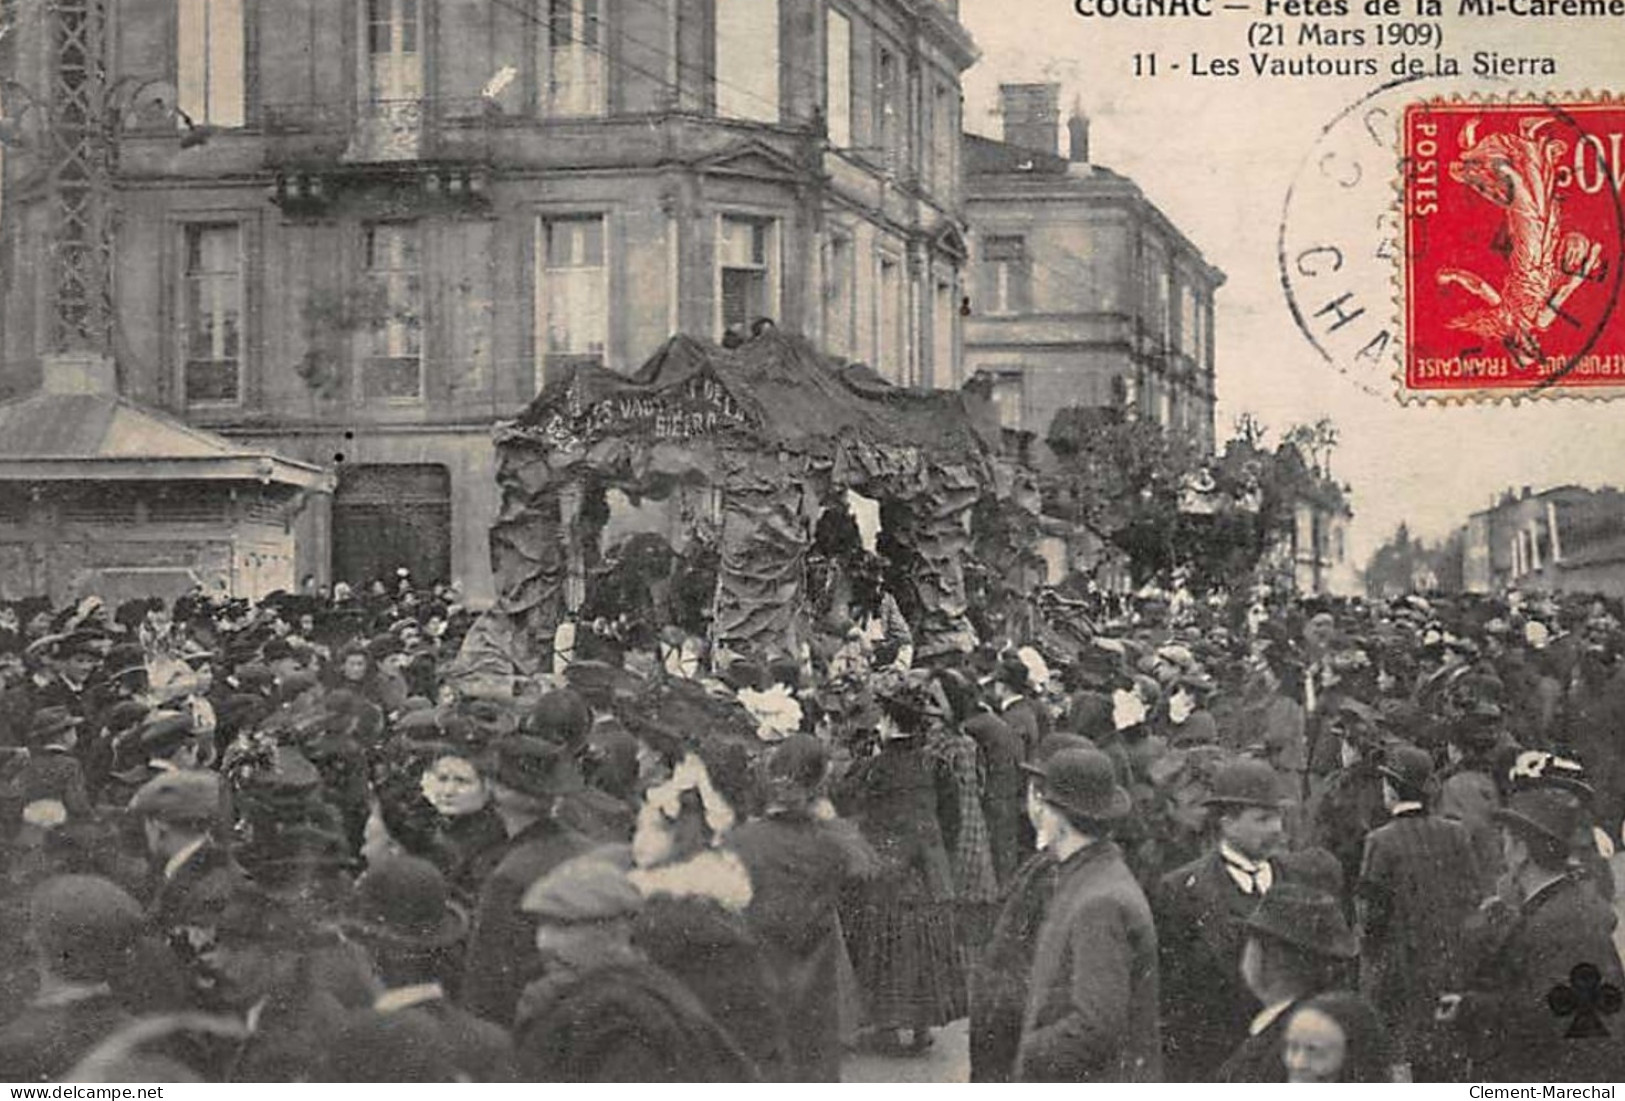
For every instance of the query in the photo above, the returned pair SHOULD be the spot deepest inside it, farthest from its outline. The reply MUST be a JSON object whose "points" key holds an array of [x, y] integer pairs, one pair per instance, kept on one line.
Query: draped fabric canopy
{"points": [[772, 427]]}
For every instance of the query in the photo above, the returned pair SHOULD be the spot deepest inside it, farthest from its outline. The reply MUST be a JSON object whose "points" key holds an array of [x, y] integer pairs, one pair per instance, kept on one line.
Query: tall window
{"points": [[212, 321], [210, 56], [838, 78], [888, 107], [1005, 275], [943, 371], [746, 271], [572, 58], [889, 351], [394, 50], [747, 66], [392, 366], [840, 275], [944, 140], [572, 292], [1188, 334]]}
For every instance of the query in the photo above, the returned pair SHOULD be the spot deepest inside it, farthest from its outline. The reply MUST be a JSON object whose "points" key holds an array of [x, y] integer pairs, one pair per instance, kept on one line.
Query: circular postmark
{"points": [[1463, 246]]}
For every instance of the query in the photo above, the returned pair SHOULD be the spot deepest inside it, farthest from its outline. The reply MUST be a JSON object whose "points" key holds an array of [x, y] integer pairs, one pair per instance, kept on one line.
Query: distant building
{"points": [[358, 233], [1561, 540], [1313, 557], [1083, 292]]}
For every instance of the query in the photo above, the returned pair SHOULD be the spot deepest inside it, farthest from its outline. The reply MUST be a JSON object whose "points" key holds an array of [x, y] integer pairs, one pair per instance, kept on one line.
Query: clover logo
{"points": [[1587, 999]]}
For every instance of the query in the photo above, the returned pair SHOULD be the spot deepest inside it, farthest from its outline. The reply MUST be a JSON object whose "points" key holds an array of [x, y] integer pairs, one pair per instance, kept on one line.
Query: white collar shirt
{"points": [[1252, 877]]}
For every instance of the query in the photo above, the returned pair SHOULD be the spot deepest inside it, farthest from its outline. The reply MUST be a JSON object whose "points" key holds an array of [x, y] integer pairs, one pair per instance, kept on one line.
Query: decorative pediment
{"points": [[950, 240], [754, 159]]}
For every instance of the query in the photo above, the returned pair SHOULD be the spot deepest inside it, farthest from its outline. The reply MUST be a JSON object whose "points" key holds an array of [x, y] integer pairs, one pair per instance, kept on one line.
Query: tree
{"points": [[1165, 504]]}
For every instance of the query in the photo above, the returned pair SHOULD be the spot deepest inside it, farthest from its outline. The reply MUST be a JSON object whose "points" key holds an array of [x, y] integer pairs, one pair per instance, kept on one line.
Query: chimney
{"points": [[1032, 116], [78, 373], [1077, 132]]}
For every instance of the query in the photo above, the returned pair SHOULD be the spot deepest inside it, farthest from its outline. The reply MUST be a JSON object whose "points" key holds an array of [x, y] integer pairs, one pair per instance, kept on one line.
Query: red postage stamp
{"points": [[1513, 234]]}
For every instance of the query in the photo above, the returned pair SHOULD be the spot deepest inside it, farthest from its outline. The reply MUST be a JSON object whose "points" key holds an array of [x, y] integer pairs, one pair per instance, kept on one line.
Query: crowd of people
{"points": [[1231, 840]]}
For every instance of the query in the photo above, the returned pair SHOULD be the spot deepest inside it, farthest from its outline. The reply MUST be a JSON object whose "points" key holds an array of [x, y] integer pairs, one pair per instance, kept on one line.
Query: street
{"points": [[947, 1061]]}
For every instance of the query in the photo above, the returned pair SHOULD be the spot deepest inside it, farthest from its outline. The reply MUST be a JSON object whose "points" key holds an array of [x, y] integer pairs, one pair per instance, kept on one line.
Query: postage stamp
{"points": [[1512, 242]]}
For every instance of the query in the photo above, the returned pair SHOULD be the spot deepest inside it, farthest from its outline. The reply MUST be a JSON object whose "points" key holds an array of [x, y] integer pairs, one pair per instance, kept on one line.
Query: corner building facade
{"points": [[1083, 292], [361, 232]]}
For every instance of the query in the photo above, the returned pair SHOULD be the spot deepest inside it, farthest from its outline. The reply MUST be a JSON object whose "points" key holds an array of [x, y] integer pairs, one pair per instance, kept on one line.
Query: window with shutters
{"points": [[838, 78], [210, 58], [747, 59], [572, 290], [747, 275], [572, 61], [394, 56], [212, 314], [1004, 275], [392, 367]]}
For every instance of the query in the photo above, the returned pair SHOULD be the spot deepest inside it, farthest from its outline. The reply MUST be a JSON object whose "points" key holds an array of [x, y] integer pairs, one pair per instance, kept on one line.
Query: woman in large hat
{"points": [[900, 926], [696, 892]]}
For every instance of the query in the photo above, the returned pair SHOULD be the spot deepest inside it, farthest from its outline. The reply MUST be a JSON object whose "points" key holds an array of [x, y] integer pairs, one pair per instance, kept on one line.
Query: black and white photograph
{"points": [[812, 541]]}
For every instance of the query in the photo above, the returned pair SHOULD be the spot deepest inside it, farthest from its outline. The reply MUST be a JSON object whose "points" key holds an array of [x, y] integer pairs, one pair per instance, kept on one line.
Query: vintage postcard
{"points": [[856, 541]]}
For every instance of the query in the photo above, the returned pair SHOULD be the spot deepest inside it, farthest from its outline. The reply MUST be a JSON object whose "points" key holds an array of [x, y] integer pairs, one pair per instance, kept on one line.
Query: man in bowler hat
{"points": [[403, 915], [1091, 1013], [1202, 909]]}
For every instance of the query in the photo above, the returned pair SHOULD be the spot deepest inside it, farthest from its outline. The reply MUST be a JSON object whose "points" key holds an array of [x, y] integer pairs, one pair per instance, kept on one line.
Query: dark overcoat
{"points": [[1206, 1007], [796, 873], [1508, 1018], [622, 1022], [999, 978], [1419, 882], [502, 955], [1091, 1011]]}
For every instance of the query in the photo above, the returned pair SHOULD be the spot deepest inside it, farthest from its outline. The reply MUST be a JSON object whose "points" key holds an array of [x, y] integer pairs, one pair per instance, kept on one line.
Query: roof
{"points": [[48, 436], [775, 391], [987, 156]]}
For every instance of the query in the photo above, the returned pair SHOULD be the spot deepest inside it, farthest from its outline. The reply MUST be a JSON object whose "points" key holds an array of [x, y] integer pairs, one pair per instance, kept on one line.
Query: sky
{"points": [[1219, 156]]}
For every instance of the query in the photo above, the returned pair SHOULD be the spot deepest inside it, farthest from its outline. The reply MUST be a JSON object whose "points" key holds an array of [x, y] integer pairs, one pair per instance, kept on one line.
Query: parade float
{"points": [[741, 450]]}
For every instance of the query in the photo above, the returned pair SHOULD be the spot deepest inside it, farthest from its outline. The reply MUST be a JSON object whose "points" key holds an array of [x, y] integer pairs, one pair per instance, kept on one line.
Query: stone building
{"points": [[1083, 292], [1566, 539], [1314, 554], [358, 233]]}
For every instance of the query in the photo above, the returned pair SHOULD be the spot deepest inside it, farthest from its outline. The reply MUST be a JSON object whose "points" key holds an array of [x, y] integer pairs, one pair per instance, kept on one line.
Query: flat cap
{"points": [[180, 796], [585, 889]]}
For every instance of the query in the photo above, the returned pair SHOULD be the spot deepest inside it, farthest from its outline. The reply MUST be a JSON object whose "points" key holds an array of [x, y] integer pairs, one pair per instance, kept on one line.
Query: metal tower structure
{"points": [[82, 148]]}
